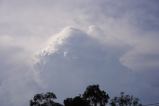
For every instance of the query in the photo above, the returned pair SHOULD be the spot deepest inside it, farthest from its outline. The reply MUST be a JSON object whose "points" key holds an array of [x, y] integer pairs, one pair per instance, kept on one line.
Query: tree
{"points": [[96, 96], [125, 100], [44, 100], [92, 96], [76, 101]]}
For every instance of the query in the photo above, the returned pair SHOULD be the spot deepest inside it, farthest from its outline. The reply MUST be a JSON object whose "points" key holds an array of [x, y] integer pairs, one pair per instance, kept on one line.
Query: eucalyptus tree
{"points": [[125, 100], [44, 100], [96, 96]]}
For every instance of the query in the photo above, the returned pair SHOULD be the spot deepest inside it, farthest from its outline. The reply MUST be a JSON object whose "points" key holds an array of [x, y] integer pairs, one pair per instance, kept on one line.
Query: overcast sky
{"points": [[65, 45]]}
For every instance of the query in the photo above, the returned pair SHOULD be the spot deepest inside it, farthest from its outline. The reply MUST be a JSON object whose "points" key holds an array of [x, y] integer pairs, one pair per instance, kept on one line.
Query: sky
{"points": [[63, 46]]}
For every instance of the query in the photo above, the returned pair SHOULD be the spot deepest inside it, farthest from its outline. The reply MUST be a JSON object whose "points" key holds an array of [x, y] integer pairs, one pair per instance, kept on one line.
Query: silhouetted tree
{"points": [[125, 100], [76, 101], [44, 100], [92, 96], [95, 96]]}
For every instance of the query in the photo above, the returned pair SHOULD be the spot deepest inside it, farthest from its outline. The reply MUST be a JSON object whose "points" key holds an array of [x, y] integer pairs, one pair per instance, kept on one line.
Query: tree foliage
{"points": [[125, 100], [44, 100], [76, 101], [96, 96], [92, 96]]}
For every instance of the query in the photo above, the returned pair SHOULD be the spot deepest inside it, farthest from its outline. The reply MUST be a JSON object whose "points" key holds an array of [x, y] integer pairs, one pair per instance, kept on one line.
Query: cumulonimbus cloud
{"points": [[74, 55], [114, 44]]}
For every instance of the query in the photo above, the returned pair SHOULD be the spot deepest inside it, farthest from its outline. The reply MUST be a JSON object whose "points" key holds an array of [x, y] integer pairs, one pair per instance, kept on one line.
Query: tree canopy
{"points": [[125, 100], [95, 95], [76, 101], [44, 100], [92, 96]]}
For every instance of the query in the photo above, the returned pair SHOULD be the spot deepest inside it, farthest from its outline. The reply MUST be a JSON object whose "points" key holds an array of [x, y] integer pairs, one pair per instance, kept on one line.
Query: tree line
{"points": [[92, 96]]}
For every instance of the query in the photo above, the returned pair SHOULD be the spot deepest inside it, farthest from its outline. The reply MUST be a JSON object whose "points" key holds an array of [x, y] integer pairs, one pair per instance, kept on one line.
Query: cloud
{"points": [[74, 57], [113, 43], [87, 61], [143, 55], [16, 80]]}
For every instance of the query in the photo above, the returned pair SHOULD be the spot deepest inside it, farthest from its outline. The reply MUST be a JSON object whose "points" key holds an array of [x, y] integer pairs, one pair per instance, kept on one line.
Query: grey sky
{"points": [[65, 45]]}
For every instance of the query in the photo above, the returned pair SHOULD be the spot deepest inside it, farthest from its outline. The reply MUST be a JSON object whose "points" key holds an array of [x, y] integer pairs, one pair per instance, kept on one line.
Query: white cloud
{"points": [[143, 55], [17, 82], [88, 61], [118, 38]]}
